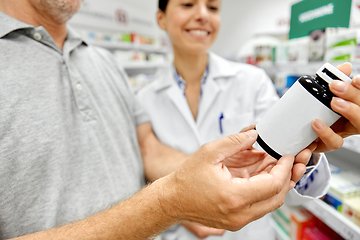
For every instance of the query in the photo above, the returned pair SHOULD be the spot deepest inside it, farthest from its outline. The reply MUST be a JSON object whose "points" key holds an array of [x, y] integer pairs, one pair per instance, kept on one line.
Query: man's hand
{"points": [[202, 231], [267, 162], [202, 190], [206, 191], [347, 103]]}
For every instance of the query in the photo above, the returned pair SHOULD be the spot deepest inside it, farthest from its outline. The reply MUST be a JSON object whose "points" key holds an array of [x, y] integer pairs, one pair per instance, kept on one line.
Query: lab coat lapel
{"points": [[219, 68], [179, 100], [210, 93]]}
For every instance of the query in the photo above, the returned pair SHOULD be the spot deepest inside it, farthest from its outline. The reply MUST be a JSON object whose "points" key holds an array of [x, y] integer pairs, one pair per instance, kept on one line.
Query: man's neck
{"points": [[30, 15], [191, 67]]}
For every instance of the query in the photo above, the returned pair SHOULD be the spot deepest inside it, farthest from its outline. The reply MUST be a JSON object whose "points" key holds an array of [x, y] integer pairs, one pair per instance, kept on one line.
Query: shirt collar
{"points": [[9, 24], [181, 82], [73, 35]]}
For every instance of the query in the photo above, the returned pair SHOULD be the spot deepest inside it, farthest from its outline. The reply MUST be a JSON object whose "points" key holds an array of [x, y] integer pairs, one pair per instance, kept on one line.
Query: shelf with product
{"points": [[141, 57], [129, 46], [141, 67], [331, 217], [132, 51], [298, 223], [306, 54], [279, 231], [305, 68]]}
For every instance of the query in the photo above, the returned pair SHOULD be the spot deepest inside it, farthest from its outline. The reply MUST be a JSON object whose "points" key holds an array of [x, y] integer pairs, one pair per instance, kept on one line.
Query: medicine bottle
{"points": [[286, 128]]}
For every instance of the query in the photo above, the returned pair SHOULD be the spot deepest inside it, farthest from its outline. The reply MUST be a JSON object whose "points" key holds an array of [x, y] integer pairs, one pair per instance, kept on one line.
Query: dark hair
{"points": [[163, 4]]}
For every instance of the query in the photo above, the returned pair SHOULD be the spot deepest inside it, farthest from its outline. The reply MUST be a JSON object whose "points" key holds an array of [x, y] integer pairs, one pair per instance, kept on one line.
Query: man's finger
{"points": [[269, 184], [228, 146], [304, 156], [245, 129], [298, 171]]}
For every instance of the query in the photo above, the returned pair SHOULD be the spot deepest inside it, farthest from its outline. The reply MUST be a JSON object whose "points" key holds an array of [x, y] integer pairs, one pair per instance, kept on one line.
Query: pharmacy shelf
{"points": [[334, 219], [280, 235], [305, 68], [129, 46]]}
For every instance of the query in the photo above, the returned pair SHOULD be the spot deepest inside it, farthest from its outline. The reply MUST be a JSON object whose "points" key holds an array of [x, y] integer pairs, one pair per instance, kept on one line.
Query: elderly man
{"points": [[71, 137]]}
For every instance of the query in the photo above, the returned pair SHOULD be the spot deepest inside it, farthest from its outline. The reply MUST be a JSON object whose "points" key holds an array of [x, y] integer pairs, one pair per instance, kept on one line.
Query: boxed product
{"points": [[338, 37], [126, 37], [283, 81], [341, 44], [325, 229], [263, 53], [317, 45], [343, 186], [282, 218], [355, 14], [344, 53], [281, 53], [313, 233], [299, 50], [300, 219], [351, 209]]}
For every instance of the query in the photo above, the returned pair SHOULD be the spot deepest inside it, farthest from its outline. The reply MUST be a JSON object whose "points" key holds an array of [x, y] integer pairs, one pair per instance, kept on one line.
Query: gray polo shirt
{"points": [[68, 146]]}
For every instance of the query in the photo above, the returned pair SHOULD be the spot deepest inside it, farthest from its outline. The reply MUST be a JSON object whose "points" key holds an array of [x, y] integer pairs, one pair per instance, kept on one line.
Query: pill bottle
{"points": [[286, 128]]}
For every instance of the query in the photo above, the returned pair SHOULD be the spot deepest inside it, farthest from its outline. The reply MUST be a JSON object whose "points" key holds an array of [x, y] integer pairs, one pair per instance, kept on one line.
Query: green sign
{"points": [[310, 15]]}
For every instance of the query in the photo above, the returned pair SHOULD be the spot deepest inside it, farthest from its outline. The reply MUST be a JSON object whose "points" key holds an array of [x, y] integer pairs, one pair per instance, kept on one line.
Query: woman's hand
{"points": [[347, 103]]}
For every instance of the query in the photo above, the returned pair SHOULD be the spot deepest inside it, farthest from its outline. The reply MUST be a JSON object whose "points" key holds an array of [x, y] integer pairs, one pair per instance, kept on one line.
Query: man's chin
{"points": [[59, 10]]}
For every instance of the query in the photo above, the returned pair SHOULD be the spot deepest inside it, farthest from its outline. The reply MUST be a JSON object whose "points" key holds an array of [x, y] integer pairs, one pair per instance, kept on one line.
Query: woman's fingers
{"points": [[347, 91], [330, 139], [348, 110], [345, 68]]}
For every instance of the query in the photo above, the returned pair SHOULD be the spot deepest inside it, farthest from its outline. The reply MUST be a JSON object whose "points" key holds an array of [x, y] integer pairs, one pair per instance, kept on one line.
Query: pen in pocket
{"points": [[220, 122]]}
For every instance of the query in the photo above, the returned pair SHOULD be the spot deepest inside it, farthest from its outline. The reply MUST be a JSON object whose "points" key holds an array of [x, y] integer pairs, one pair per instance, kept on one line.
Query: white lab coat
{"points": [[242, 94]]}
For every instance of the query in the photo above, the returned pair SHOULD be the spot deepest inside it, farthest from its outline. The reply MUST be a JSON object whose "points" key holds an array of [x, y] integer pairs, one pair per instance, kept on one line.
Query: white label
{"points": [[286, 128]]}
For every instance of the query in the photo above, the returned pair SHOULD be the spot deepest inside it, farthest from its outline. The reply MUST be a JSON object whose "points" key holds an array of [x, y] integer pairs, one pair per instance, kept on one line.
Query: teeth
{"points": [[199, 32]]}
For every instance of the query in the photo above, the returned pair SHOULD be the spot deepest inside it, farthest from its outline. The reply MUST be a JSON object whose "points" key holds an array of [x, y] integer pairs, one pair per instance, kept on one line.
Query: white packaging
{"points": [[299, 50], [337, 37], [286, 128], [344, 53]]}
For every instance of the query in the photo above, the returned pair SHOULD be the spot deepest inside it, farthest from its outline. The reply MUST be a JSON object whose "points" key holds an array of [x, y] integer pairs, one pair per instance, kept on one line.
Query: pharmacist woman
{"points": [[203, 97]]}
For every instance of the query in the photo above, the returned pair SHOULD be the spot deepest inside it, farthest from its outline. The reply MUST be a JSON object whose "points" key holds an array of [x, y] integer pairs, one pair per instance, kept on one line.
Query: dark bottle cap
{"points": [[319, 86]]}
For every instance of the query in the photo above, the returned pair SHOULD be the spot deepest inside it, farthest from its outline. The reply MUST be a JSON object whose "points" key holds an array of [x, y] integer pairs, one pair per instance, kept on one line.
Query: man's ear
{"points": [[160, 17]]}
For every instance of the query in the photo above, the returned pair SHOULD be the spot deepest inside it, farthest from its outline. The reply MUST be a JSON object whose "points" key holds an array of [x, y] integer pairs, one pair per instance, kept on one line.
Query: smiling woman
{"points": [[191, 25]]}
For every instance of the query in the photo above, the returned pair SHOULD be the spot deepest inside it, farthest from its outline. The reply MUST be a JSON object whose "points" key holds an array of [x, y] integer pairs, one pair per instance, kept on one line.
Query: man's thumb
{"points": [[230, 145]]}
